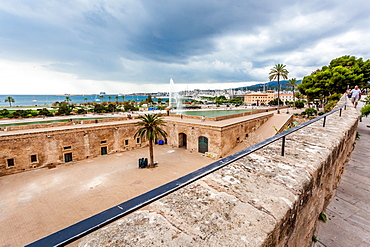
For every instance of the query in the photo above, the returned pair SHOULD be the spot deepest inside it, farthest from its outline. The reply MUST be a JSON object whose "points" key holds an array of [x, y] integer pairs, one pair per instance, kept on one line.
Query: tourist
{"points": [[203, 118], [355, 95]]}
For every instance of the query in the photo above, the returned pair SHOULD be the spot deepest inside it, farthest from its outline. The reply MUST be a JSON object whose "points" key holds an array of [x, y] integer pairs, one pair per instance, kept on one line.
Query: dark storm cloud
{"points": [[194, 41]]}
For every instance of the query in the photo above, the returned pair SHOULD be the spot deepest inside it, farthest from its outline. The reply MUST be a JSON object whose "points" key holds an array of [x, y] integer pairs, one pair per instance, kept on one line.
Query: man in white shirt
{"points": [[356, 94]]}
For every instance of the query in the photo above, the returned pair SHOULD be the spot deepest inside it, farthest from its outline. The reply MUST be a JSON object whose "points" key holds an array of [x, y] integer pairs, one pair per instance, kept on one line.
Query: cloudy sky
{"points": [[88, 46]]}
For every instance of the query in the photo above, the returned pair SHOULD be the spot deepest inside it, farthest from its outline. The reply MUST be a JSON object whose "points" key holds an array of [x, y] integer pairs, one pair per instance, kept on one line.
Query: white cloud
{"points": [[88, 46]]}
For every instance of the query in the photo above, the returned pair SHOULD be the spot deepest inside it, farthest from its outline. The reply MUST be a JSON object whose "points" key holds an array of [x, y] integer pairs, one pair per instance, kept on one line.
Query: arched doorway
{"points": [[182, 140], [202, 144]]}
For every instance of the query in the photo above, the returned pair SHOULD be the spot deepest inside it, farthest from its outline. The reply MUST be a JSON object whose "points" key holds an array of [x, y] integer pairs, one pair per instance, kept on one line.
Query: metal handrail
{"points": [[86, 226]]}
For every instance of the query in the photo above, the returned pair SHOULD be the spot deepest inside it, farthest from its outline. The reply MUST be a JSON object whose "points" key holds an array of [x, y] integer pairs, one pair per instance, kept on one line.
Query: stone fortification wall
{"points": [[263, 199], [58, 124], [222, 139], [50, 146]]}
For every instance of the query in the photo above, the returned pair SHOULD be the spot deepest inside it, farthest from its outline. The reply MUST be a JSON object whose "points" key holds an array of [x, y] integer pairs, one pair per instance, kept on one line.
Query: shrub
{"points": [[330, 105], [4, 112], [299, 103], [365, 111], [310, 112], [335, 96]]}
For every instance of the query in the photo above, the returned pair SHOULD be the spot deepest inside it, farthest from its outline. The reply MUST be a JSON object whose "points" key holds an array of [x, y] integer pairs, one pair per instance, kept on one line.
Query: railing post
{"points": [[283, 146], [323, 125], [345, 107], [340, 112]]}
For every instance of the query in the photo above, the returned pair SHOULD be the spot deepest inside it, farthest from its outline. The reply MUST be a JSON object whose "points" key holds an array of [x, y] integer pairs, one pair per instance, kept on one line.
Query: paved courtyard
{"points": [[37, 203]]}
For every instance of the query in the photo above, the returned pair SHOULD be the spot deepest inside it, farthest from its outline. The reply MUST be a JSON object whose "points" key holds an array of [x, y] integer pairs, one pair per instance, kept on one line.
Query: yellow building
{"points": [[258, 98]]}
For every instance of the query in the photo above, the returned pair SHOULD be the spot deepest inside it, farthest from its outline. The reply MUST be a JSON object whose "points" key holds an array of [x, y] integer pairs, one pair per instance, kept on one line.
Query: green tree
{"points": [[151, 130], [98, 108], [64, 110], [10, 100], [149, 99], [341, 73], [4, 112], [116, 97], [68, 99], [123, 98], [45, 112], [109, 98], [293, 84], [85, 99], [276, 72]]}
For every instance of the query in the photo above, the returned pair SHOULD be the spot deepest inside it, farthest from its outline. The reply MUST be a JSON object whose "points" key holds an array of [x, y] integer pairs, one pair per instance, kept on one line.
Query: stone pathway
{"points": [[348, 213]]}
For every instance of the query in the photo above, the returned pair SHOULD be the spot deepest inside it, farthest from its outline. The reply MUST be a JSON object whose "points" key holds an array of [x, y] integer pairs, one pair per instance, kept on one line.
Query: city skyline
{"points": [[51, 47]]}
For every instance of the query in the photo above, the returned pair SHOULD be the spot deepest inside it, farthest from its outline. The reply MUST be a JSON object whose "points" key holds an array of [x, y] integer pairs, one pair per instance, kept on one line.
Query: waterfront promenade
{"points": [[348, 213]]}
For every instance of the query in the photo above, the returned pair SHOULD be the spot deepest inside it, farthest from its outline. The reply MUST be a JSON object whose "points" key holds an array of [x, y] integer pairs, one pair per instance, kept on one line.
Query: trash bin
{"points": [[160, 142]]}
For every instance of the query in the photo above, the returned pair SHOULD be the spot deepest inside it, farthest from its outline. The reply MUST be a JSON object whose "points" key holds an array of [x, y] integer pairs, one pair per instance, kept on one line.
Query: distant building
{"points": [[285, 96], [258, 98]]}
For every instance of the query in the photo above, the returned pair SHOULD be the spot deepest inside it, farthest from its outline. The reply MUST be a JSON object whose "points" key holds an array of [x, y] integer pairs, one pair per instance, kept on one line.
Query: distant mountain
{"points": [[272, 85]]}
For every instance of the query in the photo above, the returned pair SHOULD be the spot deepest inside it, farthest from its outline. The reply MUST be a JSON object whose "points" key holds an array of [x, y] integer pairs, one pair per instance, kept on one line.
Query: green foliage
{"points": [[299, 104], [341, 72], [335, 96], [358, 135], [366, 100], [323, 217], [20, 113], [365, 111], [150, 128], [99, 108], [314, 238], [45, 112], [275, 102], [81, 110], [10, 100], [64, 110], [309, 112], [4, 112], [129, 106], [111, 108], [278, 71], [330, 105]]}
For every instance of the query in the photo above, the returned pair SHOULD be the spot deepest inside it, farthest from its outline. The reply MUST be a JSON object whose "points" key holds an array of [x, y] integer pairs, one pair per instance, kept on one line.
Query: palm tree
{"points": [[85, 99], [150, 128], [109, 98], [123, 97], [68, 99], [10, 100], [276, 72], [292, 83], [116, 98]]}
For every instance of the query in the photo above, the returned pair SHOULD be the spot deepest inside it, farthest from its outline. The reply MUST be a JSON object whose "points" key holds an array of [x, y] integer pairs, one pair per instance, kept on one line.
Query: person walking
{"points": [[355, 95]]}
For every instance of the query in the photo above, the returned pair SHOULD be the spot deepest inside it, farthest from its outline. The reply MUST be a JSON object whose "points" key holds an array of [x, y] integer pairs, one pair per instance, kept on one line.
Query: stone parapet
{"points": [[263, 199]]}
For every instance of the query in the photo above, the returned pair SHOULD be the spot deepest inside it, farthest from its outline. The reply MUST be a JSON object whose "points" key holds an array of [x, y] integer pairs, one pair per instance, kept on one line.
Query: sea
{"points": [[47, 100]]}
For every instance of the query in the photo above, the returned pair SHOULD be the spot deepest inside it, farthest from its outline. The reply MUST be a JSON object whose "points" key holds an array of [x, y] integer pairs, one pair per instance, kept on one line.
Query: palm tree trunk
{"points": [[151, 156], [278, 109]]}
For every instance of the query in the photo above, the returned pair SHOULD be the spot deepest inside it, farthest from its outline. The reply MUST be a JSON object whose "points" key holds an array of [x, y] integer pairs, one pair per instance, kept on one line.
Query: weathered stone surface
{"points": [[49, 145], [263, 199]]}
